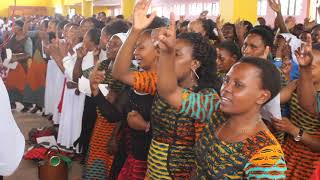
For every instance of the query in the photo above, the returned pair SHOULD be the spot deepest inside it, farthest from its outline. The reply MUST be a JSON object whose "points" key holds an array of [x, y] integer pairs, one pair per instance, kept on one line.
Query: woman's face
{"points": [[241, 90], [225, 60], [279, 42], [52, 26], [183, 59], [145, 52], [42, 27], [85, 27], [87, 43], [228, 33], [66, 28], [113, 47], [104, 39], [196, 27], [72, 34]]}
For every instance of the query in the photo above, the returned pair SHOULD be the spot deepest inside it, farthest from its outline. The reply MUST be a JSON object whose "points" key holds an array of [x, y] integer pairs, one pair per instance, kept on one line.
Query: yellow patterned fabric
{"points": [[257, 157]]}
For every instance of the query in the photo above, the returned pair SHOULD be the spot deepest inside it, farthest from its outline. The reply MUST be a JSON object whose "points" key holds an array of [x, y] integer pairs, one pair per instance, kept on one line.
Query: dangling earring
{"points": [[195, 73]]}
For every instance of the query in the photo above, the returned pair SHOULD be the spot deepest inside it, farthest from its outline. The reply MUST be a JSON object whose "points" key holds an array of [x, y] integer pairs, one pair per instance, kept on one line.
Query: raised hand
{"points": [[304, 56], [140, 19], [219, 22], [81, 52], [276, 7], [96, 77], [167, 38], [241, 28]]}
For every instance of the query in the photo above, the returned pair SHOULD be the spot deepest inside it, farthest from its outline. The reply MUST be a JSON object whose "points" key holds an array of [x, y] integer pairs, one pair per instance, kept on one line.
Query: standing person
{"points": [[21, 47], [36, 77], [235, 143], [100, 156], [70, 105], [171, 154], [302, 143], [87, 57], [11, 138]]}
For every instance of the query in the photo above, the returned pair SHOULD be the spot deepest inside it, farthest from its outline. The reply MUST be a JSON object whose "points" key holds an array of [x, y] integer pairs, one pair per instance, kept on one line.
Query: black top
{"points": [[128, 101]]}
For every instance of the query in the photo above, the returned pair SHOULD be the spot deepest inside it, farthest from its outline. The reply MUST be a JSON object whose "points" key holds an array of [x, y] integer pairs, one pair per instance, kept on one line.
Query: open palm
{"points": [[140, 19], [304, 58], [274, 5]]}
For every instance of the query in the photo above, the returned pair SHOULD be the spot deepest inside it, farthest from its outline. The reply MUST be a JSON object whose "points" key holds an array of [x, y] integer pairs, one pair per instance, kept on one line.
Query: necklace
{"points": [[241, 132]]}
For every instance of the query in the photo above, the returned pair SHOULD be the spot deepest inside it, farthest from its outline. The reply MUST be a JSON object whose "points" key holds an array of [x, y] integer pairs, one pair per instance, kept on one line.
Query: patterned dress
{"points": [[99, 161], [300, 159], [171, 154], [257, 157]]}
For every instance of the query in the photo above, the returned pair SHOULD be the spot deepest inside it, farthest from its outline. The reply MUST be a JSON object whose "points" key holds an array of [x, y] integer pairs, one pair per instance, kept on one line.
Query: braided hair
{"points": [[206, 55]]}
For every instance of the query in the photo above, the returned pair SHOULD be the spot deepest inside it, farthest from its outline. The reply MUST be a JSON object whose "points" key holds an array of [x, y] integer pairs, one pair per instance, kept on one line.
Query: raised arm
{"points": [[121, 67], [306, 90], [276, 7], [220, 23], [167, 79]]}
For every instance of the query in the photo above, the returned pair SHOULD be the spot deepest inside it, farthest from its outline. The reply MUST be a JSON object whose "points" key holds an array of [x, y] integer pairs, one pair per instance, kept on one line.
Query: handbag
{"points": [[54, 166]]}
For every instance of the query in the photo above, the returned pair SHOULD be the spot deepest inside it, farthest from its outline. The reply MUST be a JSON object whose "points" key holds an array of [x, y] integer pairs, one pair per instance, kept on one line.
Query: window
{"points": [[179, 9], [262, 7], [158, 9], [291, 7]]}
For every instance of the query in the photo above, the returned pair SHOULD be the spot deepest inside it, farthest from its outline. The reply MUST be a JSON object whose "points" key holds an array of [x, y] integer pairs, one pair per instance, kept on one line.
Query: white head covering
{"points": [[295, 43], [121, 36], [11, 139]]}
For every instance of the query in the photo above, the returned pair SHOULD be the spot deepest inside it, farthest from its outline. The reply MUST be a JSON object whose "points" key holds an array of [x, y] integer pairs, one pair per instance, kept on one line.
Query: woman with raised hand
{"points": [[171, 154], [235, 143], [302, 143]]}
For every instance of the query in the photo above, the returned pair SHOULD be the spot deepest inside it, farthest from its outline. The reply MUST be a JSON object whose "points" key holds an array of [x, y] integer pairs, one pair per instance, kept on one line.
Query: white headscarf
{"points": [[121, 36], [295, 43]]}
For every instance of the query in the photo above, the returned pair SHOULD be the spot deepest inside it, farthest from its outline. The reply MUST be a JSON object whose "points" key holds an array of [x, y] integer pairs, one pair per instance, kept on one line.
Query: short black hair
{"points": [[270, 75], [120, 16], [45, 22], [94, 35], [266, 35], [117, 26], [62, 24], [103, 13], [206, 55], [19, 23], [248, 24], [231, 47], [156, 23], [209, 25]]}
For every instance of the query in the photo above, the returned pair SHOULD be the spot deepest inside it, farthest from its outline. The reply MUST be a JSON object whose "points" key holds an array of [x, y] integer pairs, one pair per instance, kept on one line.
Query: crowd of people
{"points": [[156, 98]]}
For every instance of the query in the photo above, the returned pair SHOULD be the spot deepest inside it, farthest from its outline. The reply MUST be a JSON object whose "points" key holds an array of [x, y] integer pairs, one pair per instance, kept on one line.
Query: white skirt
{"points": [[54, 85], [71, 118]]}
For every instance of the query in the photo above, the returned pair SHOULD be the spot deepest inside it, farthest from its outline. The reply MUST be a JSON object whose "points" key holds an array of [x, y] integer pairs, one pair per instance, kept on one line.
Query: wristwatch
{"points": [[299, 136]]}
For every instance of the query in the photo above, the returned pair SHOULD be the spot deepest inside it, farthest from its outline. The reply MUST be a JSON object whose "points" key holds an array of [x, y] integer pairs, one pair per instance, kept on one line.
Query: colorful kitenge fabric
{"points": [[99, 161], [300, 159], [258, 157], [17, 78], [171, 154], [133, 169]]}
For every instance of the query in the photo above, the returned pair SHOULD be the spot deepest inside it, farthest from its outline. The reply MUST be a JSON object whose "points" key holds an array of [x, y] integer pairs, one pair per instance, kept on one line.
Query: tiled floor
{"points": [[28, 169]]}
